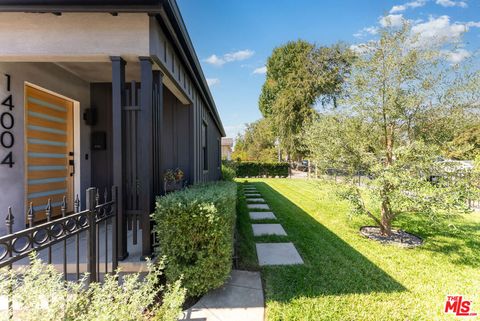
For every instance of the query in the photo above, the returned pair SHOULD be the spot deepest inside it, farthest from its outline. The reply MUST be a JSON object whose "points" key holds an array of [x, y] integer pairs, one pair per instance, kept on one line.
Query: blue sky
{"points": [[233, 38]]}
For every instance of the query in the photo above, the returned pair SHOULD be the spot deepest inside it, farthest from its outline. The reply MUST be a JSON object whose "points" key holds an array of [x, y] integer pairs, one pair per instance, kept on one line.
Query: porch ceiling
{"points": [[100, 71]]}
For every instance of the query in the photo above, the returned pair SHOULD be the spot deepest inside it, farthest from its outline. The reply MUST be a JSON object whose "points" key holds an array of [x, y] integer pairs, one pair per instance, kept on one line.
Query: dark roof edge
{"points": [[172, 10], [46, 8]]}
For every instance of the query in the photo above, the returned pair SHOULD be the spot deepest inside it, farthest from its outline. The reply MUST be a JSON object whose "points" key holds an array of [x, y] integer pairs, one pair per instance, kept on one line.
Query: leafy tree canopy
{"points": [[466, 145], [257, 143], [404, 102], [299, 75]]}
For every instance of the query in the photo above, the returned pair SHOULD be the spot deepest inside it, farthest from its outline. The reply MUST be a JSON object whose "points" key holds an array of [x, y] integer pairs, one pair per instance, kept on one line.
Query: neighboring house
{"points": [[458, 167], [227, 148], [100, 93]]}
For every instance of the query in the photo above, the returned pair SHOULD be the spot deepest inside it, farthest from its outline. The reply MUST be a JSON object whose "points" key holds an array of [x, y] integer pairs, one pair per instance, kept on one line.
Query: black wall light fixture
{"points": [[90, 116]]}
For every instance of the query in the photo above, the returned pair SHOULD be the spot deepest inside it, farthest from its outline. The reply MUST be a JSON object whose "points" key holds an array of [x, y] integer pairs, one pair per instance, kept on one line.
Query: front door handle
{"points": [[71, 162]]}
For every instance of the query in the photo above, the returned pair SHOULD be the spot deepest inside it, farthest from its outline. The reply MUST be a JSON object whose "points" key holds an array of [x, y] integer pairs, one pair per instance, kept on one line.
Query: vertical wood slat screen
{"points": [[130, 139]]}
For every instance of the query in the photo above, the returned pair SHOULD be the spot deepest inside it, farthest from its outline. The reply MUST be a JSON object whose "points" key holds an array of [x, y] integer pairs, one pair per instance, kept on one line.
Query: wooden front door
{"points": [[49, 151]]}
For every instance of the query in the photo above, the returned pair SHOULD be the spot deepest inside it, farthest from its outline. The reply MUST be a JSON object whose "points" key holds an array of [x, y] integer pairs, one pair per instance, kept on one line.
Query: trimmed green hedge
{"points": [[253, 169], [195, 229]]}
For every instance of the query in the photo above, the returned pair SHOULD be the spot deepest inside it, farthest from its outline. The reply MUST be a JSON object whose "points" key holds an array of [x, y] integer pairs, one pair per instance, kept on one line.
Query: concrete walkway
{"points": [[269, 253], [240, 299]]}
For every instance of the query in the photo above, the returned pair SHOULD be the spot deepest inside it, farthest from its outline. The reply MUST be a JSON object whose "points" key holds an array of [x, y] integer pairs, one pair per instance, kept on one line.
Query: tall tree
{"points": [[298, 76]]}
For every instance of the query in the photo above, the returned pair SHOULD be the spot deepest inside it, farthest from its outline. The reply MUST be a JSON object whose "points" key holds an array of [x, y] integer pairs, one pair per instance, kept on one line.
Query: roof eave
{"points": [[179, 24]]}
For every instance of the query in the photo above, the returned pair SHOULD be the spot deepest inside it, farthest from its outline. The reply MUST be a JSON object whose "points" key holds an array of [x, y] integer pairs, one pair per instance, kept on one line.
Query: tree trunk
{"points": [[389, 144], [386, 219], [387, 215]]}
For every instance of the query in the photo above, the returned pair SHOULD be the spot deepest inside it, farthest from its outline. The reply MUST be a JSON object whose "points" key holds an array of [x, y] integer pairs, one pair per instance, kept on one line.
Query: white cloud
{"points": [[215, 60], [392, 20], [229, 57], [438, 30], [456, 56], [260, 70], [362, 48], [239, 55], [473, 24], [366, 31], [412, 4], [359, 49], [213, 82], [450, 3], [398, 8]]}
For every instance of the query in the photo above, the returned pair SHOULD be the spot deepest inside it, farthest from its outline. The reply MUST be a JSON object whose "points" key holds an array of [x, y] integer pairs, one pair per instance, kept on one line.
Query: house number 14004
{"points": [[7, 121]]}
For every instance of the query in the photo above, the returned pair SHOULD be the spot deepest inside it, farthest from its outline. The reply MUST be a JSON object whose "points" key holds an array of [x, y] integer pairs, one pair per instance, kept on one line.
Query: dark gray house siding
{"points": [[176, 135], [203, 118], [188, 80]]}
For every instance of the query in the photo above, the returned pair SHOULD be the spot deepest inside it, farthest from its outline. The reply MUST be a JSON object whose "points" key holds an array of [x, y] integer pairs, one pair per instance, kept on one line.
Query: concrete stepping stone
{"points": [[262, 216], [253, 195], [258, 206], [259, 200], [278, 254], [246, 190], [268, 229]]}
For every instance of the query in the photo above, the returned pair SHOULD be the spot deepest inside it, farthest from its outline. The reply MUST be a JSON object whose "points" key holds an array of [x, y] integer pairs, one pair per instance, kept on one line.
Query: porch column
{"points": [[145, 153], [157, 133], [118, 101]]}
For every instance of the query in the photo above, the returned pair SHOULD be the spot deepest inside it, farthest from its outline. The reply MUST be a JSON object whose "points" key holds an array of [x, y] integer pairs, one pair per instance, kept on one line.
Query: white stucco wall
{"points": [[73, 36], [53, 78]]}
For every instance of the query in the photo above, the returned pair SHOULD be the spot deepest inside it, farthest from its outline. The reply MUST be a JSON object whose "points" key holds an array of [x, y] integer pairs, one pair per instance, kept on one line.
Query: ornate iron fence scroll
{"points": [[89, 224]]}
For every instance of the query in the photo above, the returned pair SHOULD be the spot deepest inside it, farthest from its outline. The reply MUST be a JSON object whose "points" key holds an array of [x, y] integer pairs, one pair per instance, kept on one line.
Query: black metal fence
{"points": [[60, 232]]}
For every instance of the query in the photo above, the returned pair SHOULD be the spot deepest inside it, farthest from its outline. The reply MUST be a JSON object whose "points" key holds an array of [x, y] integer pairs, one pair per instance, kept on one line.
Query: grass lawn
{"points": [[348, 277]]}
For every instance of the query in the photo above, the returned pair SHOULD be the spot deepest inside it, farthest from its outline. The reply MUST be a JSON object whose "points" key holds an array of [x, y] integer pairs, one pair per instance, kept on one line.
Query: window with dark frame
{"points": [[205, 146]]}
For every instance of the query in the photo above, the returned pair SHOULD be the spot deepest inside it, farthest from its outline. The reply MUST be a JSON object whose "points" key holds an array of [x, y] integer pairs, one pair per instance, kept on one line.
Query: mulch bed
{"points": [[398, 237]]}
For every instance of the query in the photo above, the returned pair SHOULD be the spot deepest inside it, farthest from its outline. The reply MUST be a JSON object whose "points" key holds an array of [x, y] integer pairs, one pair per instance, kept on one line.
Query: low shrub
{"points": [[254, 169], [228, 173], [40, 293], [195, 230]]}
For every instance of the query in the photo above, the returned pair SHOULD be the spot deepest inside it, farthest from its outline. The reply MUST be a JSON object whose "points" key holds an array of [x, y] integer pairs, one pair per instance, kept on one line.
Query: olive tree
{"points": [[403, 94]]}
